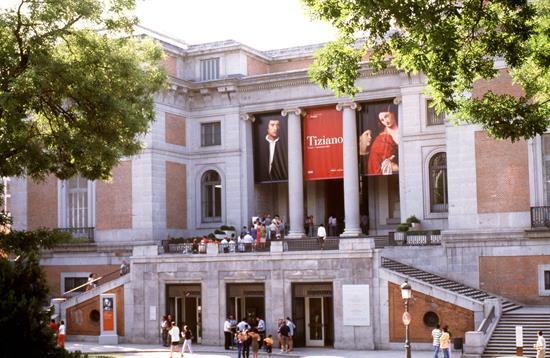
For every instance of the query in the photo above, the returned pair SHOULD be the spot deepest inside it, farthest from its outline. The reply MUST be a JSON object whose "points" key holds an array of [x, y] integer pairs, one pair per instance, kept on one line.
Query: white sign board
{"points": [[519, 336], [356, 305], [152, 313]]}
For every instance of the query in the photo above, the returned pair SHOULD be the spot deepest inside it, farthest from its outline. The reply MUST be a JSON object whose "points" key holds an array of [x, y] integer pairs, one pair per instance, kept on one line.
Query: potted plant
{"points": [[400, 232], [413, 222]]}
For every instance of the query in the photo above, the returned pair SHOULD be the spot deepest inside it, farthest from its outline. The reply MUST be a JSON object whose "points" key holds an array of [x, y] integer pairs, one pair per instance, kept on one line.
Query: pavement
{"points": [[143, 350]]}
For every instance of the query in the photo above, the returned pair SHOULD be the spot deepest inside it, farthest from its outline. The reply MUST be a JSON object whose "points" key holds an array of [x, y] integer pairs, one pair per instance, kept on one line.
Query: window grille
{"points": [[210, 69], [211, 197], [438, 183], [211, 134], [433, 118]]}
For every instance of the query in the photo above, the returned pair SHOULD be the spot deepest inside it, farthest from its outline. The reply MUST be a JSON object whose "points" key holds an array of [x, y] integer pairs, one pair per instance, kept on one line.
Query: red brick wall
{"points": [[513, 277], [290, 65], [53, 274], [502, 84], [502, 174], [170, 64], [458, 319], [174, 129], [114, 199], [42, 203], [176, 196], [256, 67], [78, 317]]}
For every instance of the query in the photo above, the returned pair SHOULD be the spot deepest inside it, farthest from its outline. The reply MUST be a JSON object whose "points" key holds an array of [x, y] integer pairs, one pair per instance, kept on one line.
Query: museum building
{"points": [[242, 133]]}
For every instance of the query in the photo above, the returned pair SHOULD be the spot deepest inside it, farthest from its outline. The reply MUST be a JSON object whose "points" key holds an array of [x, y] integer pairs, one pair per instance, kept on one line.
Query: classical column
{"points": [[351, 169], [295, 173]]}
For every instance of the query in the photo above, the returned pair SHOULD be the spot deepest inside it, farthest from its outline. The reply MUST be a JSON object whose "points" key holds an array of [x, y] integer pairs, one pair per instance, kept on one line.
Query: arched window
{"points": [[211, 194], [439, 202]]}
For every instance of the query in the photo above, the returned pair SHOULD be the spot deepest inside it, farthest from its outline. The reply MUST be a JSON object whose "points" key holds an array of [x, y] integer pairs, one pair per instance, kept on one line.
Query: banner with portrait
{"points": [[269, 136], [107, 307], [323, 144], [379, 138]]}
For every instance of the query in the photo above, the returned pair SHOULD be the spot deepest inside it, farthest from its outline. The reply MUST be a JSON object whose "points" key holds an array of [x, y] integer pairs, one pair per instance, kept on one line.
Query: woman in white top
{"points": [[540, 346], [174, 333]]}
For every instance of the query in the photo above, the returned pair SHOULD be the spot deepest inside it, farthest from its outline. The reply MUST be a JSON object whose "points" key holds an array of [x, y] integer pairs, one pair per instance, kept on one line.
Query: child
{"points": [[61, 335], [268, 345]]}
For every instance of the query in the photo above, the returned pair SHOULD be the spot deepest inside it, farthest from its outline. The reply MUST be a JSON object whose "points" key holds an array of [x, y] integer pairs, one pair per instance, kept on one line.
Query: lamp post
{"points": [[406, 293]]}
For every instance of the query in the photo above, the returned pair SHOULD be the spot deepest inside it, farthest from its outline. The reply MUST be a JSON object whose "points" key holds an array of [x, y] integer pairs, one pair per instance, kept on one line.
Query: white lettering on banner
{"points": [[314, 141]]}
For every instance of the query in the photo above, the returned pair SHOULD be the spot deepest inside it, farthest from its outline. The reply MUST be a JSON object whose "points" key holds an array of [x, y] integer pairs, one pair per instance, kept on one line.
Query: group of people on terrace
{"points": [[250, 335]]}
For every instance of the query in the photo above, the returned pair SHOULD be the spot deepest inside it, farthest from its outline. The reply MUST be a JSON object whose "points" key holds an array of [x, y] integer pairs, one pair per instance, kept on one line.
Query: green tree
{"points": [[76, 89], [454, 43]]}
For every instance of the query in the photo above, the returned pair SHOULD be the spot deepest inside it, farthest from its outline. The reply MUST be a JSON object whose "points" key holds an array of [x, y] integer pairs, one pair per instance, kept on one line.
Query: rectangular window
{"points": [[544, 280], [73, 282], [547, 280], [77, 202], [210, 69], [546, 164], [211, 134], [433, 118]]}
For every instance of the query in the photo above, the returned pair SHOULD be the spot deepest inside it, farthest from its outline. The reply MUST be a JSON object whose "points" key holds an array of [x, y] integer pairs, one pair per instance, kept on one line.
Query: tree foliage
{"points": [[454, 43], [76, 89]]}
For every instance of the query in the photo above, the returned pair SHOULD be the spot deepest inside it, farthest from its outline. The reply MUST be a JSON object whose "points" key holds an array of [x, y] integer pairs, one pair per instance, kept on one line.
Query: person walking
{"points": [[283, 331], [436, 335], [260, 325], [174, 333], [61, 334], [444, 341], [187, 336], [540, 346]]}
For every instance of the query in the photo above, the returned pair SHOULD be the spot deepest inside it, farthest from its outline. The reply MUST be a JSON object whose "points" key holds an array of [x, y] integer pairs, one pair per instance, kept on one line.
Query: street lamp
{"points": [[406, 293]]}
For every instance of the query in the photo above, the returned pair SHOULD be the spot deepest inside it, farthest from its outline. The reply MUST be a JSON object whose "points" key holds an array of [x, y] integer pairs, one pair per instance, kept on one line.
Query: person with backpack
{"points": [[283, 332], [291, 327]]}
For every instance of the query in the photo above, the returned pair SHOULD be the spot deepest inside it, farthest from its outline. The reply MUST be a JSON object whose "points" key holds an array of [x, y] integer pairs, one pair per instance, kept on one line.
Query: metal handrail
{"points": [[91, 282], [487, 321], [540, 216]]}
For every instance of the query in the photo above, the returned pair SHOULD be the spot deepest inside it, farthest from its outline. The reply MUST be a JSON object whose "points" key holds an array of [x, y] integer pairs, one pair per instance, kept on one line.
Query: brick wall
{"points": [[42, 203], [255, 67], [79, 321], [458, 319], [176, 196], [174, 129], [502, 84], [513, 277], [502, 174], [114, 199], [53, 274], [290, 65], [170, 64]]}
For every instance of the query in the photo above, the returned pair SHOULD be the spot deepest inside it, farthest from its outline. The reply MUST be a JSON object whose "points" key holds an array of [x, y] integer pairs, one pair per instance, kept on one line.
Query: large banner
{"points": [[323, 144], [379, 139], [270, 148]]}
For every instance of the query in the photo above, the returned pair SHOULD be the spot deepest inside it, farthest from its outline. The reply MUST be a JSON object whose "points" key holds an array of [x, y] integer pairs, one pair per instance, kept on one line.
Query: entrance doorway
{"points": [[246, 301], [185, 307], [313, 314], [334, 202]]}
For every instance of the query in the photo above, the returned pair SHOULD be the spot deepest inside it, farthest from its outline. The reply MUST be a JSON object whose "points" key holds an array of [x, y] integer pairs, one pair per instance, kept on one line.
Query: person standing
{"points": [[54, 328], [174, 333], [187, 340], [321, 236], [540, 346], [227, 333], [332, 225], [291, 327], [260, 326], [61, 334], [444, 341], [268, 345], [436, 335], [164, 330], [283, 332]]}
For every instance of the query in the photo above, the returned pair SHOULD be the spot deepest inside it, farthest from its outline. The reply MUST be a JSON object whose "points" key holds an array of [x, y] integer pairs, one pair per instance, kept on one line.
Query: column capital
{"points": [[397, 100], [296, 111], [247, 117], [353, 105]]}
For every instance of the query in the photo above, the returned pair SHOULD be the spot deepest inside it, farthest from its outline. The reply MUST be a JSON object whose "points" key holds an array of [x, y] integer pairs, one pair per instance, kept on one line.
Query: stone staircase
{"points": [[503, 340], [444, 283]]}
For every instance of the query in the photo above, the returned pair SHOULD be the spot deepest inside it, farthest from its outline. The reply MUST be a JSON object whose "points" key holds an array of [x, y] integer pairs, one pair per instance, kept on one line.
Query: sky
{"points": [[261, 24]]}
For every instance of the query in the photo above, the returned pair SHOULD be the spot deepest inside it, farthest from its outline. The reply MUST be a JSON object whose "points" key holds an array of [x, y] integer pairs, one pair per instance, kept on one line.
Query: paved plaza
{"points": [[150, 351]]}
